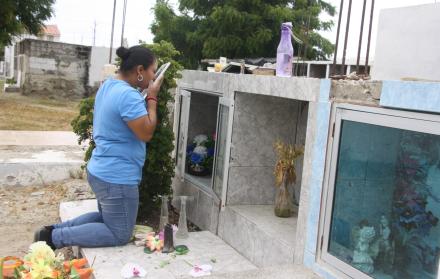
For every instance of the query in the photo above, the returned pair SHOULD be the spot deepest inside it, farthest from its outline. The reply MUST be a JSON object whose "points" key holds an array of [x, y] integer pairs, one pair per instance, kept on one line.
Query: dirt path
{"points": [[25, 209]]}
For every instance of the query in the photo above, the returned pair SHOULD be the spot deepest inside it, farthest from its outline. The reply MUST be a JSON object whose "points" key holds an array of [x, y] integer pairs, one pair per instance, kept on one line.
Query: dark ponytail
{"points": [[135, 56]]}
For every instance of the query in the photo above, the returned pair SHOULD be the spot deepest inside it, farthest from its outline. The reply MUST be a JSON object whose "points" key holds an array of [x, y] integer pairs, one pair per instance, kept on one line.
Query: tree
{"points": [[179, 30], [18, 16], [241, 28], [159, 165]]}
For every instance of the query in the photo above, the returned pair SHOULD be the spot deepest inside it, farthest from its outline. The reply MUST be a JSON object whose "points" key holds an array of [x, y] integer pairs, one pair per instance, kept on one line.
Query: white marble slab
{"points": [[73, 209], [289, 271], [298, 88], [205, 248]]}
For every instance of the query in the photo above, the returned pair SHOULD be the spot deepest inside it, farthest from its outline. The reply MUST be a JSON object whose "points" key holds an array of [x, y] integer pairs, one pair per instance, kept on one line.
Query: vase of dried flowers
{"points": [[285, 175]]}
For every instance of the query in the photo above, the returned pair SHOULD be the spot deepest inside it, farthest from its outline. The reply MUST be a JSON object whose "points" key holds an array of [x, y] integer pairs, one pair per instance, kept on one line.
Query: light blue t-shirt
{"points": [[119, 155]]}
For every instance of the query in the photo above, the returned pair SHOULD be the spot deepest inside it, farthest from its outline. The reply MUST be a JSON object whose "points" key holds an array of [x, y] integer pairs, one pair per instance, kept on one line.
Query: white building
{"points": [[408, 43]]}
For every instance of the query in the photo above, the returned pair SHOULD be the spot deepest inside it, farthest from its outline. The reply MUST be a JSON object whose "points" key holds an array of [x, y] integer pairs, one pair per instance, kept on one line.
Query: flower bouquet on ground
{"points": [[200, 155], [42, 263]]}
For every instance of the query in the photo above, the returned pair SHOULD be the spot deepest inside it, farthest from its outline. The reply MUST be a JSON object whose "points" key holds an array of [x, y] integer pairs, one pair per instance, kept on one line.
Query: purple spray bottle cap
{"points": [[286, 25]]}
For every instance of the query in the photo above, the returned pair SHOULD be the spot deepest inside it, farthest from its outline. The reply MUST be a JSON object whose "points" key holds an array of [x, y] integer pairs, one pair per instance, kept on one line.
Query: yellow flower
{"points": [[41, 261], [41, 270], [40, 251]]}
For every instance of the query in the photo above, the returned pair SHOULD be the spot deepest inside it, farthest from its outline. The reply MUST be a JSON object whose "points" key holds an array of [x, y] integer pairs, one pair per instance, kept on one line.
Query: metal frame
{"points": [[419, 122], [230, 104], [176, 123], [181, 117], [183, 134], [189, 89], [208, 190]]}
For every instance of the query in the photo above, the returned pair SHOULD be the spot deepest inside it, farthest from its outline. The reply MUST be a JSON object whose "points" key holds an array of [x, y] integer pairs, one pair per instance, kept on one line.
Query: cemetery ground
{"points": [[23, 209], [29, 113], [26, 208]]}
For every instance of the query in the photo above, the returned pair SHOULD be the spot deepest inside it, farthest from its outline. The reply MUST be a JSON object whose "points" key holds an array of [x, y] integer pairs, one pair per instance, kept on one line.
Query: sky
{"points": [[76, 21]]}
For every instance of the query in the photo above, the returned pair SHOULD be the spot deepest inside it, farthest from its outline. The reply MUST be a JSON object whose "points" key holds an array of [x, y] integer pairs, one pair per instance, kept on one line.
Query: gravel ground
{"points": [[25, 209]]}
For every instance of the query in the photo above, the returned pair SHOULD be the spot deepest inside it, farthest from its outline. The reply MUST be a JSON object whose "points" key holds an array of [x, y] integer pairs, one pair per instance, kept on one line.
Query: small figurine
{"points": [[386, 246], [361, 257]]}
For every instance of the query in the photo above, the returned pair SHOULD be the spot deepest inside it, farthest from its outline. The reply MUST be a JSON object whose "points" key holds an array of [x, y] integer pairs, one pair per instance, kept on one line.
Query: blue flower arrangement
{"points": [[200, 155]]}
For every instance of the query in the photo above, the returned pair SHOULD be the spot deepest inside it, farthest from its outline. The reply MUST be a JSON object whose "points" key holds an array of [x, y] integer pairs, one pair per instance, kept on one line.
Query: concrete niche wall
{"points": [[258, 122]]}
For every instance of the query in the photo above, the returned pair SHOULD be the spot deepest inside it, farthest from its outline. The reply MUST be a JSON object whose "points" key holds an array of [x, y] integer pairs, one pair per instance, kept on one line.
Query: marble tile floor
{"points": [[205, 248]]}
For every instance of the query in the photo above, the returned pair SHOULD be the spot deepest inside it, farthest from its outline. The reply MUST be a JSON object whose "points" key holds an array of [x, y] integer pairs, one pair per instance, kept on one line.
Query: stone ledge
{"points": [[258, 234], [73, 209], [37, 173]]}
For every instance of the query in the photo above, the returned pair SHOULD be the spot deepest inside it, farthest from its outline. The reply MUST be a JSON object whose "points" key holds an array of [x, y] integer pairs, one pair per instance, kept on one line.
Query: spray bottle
{"points": [[285, 51]]}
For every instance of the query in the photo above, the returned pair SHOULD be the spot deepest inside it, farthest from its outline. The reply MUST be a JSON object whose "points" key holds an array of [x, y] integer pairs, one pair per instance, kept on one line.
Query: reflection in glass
{"points": [[387, 202]]}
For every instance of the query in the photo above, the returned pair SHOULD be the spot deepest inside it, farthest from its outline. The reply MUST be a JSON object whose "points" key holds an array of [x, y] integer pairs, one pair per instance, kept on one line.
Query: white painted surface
{"points": [[408, 43], [98, 58]]}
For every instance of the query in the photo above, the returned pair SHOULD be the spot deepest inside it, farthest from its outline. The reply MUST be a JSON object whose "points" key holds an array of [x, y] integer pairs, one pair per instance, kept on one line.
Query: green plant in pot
{"points": [[285, 175]]}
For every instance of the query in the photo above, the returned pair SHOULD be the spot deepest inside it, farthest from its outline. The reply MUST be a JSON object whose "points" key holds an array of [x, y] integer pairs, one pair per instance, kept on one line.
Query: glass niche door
{"points": [[222, 149], [383, 195], [182, 118]]}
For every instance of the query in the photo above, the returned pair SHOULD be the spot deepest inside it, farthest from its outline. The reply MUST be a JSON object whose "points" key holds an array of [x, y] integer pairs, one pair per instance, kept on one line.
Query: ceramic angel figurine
{"points": [[361, 257], [386, 245]]}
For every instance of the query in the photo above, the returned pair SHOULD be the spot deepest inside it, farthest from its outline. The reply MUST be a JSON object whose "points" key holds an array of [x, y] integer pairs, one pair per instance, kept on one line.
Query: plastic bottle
{"points": [[285, 52]]}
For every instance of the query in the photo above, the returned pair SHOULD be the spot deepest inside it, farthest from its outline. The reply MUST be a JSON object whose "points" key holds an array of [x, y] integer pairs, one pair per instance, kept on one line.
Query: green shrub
{"points": [[11, 81]]}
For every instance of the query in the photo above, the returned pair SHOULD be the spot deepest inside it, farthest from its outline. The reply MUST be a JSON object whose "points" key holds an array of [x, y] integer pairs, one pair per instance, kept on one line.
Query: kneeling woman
{"points": [[122, 122]]}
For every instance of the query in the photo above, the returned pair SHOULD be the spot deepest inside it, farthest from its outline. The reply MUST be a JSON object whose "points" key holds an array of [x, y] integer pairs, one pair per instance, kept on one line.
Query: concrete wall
{"points": [[10, 54], [407, 44], [9, 61], [55, 69]]}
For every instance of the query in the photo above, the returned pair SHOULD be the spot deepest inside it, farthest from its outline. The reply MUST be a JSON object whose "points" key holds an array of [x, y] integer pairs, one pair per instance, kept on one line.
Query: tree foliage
{"points": [[158, 169], [18, 16], [240, 28]]}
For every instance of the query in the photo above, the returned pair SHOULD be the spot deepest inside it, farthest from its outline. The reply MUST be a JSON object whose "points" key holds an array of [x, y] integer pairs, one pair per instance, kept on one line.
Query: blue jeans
{"points": [[112, 226]]}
